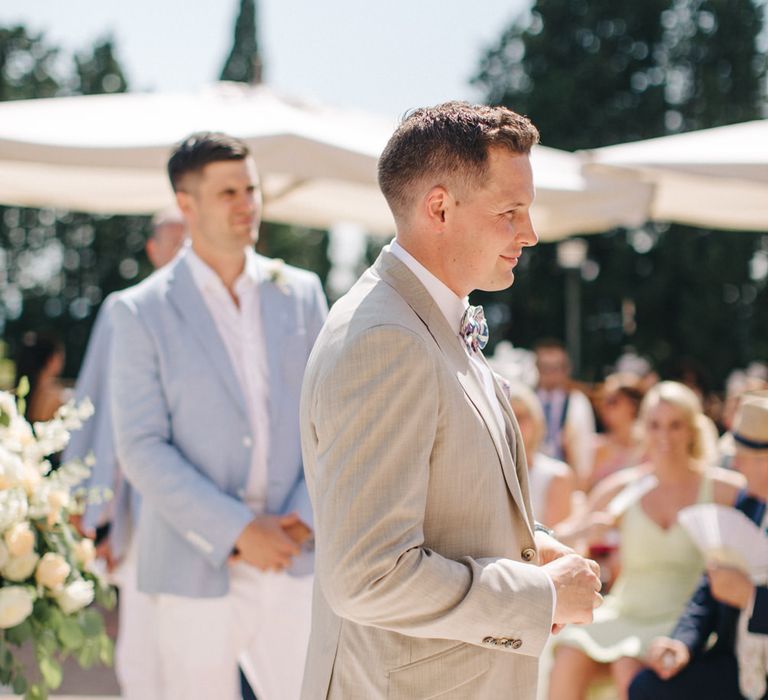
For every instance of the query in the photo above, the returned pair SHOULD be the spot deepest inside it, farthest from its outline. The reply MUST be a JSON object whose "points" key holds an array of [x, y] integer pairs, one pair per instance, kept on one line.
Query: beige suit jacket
{"points": [[423, 522]]}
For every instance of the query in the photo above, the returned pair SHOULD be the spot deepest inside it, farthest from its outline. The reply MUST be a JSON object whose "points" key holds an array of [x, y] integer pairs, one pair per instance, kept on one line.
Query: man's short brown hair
{"points": [[449, 140], [197, 150]]}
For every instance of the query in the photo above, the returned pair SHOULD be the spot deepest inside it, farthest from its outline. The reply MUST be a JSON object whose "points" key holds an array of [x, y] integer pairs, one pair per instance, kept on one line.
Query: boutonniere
{"points": [[276, 273]]}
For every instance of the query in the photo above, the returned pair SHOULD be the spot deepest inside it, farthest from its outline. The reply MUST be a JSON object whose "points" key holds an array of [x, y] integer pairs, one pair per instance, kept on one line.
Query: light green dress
{"points": [[659, 572]]}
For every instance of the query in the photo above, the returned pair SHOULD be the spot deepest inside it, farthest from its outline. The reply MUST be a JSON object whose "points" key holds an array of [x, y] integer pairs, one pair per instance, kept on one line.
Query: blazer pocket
{"points": [[441, 673]]}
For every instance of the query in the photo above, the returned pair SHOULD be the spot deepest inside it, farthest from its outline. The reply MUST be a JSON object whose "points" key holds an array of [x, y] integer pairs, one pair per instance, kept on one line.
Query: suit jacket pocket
{"points": [[437, 675]]}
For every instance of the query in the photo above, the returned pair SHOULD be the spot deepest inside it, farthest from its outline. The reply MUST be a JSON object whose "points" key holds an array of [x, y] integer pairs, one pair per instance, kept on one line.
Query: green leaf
{"points": [[89, 653], [106, 650], [19, 685], [70, 634], [36, 692], [23, 389], [19, 634], [92, 623], [42, 611], [51, 671]]}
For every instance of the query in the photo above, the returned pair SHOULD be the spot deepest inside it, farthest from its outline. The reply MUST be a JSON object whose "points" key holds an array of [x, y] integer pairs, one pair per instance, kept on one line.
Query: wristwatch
{"points": [[538, 527]]}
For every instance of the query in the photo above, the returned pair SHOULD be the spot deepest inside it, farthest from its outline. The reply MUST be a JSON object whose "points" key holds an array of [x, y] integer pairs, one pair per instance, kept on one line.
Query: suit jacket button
{"points": [[509, 643], [528, 554], [516, 643], [488, 640]]}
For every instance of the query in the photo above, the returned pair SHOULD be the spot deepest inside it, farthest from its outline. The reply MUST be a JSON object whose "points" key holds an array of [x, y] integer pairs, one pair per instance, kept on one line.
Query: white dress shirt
{"points": [[453, 309], [240, 328]]}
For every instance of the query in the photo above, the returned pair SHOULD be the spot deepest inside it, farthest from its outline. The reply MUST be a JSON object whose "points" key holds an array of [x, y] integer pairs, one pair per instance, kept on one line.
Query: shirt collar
{"points": [[206, 279], [451, 306]]}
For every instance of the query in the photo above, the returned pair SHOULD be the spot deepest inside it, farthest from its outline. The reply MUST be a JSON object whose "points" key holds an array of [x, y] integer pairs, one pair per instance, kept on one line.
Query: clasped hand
{"points": [[576, 580], [270, 542]]}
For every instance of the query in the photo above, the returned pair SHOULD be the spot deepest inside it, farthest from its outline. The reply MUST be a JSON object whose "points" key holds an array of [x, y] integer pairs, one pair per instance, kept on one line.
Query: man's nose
{"points": [[529, 237]]}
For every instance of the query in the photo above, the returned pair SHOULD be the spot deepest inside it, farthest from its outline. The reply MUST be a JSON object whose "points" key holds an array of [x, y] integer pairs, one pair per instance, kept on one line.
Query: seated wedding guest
{"points": [[726, 602], [551, 481], [136, 654], [40, 359], [738, 383], [619, 445], [659, 563], [568, 414]]}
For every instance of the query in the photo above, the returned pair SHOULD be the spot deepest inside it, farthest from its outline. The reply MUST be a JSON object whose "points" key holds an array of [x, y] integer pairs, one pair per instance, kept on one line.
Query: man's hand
{"points": [[266, 544], [577, 585], [549, 548], [104, 551], [299, 532], [730, 585], [667, 657]]}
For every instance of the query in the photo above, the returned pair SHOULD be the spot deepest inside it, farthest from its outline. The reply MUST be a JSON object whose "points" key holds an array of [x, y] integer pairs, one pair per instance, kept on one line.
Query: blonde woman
{"points": [[659, 564], [551, 481]]}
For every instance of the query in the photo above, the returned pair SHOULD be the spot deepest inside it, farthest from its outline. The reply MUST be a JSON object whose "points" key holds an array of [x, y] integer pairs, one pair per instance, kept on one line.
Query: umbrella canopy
{"points": [[712, 177], [107, 154]]}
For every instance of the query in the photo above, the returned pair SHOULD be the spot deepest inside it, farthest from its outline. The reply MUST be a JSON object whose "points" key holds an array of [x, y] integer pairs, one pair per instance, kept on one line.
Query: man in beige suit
{"points": [[426, 577]]}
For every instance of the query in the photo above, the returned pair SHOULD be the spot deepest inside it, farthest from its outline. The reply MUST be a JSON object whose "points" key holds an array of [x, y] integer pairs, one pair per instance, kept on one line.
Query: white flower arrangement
{"points": [[46, 583]]}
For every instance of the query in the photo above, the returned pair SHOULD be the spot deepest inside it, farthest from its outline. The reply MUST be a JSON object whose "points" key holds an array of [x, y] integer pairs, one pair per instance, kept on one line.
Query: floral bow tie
{"points": [[474, 329]]}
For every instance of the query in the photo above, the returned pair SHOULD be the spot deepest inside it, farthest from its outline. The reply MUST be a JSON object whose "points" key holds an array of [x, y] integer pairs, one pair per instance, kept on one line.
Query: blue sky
{"points": [[384, 57]]}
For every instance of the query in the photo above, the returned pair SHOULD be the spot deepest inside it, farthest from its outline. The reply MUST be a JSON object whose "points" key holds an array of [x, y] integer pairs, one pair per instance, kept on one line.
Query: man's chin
{"points": [[498, 284]]}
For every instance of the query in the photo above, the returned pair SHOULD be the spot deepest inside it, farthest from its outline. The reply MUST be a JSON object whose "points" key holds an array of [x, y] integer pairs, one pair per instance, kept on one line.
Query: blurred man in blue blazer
{"points": [[727, 602], [136, 659], [208, 358]]}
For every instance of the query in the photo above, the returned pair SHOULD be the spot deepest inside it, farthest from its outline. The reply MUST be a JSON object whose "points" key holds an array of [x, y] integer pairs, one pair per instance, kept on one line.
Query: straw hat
{"points": [[750, 425]]}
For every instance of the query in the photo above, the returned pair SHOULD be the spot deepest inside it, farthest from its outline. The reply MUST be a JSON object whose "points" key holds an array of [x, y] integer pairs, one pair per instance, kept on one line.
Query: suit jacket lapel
{"points": [[275, 307], [186, 298], [398, 276]]}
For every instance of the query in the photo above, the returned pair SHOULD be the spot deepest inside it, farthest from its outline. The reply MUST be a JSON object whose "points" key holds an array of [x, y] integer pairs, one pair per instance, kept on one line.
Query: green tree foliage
{"points": [[243, 65], [99, 71], [56, 267], [28, 65], [594, 72]]}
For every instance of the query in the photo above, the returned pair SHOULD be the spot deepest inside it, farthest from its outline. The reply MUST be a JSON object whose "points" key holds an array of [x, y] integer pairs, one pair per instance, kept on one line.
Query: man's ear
{"points": [[436, 203], [183, 201]]}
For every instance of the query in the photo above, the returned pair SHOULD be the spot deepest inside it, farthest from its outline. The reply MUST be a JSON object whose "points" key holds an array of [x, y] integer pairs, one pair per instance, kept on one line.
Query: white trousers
{"points": [[137, 654], [263, 623]]}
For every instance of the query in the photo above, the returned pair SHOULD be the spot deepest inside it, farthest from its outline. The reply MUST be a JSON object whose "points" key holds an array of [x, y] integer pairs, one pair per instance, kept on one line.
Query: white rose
{"points": [[20, 568], [20, 540], [31, 478], [74, 596], [57, 500], [85, 552], [52, 570], [15, 605], [11, 468], [13, 508]]}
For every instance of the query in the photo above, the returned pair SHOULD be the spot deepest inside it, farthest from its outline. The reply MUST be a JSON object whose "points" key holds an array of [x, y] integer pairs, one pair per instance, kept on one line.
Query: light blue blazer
{"points": [[181, 425], [96, 436]]}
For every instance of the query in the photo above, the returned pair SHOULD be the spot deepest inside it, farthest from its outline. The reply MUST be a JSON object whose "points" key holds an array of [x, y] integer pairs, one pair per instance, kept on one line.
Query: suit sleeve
{"points": [[95, 436], [758, 623], [374, 419], [316, 312], [191, 503], [699, 619]]}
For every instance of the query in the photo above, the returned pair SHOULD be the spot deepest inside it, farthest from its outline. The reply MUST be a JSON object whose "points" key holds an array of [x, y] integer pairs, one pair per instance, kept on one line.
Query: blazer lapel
{"points": [[275, 307], [186, 298], [398, 276]]}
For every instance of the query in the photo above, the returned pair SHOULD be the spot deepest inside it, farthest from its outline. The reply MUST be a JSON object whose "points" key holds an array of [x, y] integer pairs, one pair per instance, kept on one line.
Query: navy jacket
{"points": [[704, 615]]}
